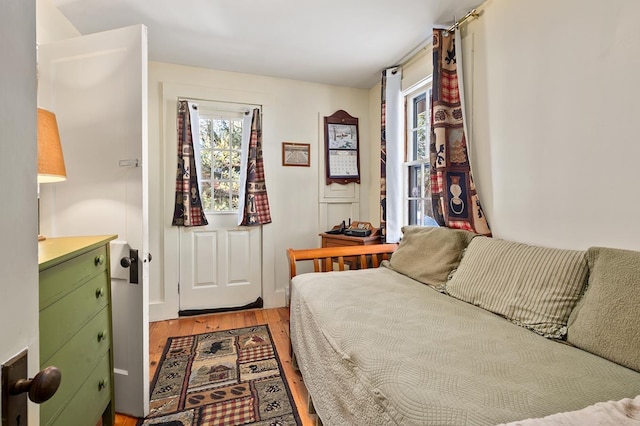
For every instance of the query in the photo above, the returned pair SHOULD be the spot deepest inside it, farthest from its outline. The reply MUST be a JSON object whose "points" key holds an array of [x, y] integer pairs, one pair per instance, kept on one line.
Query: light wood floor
{"points": [[278, 320]]}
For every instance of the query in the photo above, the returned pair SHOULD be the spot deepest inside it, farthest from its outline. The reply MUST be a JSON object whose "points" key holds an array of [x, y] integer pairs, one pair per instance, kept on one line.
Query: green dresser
{"points": [[75, 329]]}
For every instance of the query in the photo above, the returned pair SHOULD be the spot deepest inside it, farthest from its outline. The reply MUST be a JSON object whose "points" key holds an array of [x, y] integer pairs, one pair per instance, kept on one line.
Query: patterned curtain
{"points": [[455, 202], [188, 208], [383, 158], [256, 206]]}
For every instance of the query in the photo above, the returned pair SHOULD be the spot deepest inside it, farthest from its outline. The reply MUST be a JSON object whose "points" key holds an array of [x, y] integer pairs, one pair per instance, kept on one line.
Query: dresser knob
{"points": [[102, 335], [99, 260], [102, 384], [99, 292], [41, 387]]}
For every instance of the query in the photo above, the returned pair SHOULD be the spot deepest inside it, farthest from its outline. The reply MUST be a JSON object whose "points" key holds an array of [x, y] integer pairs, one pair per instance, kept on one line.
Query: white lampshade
{"points": [[50, 158]]}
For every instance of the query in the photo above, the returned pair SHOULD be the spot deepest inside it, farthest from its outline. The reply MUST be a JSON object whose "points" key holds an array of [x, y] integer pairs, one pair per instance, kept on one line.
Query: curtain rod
{"points": [[417, 51], [245, 111], [473, 13], [414, 54]]}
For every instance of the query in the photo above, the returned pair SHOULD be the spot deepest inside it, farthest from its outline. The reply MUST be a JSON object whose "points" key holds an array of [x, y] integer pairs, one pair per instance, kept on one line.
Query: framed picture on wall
{"points": [[296, 154], [342, 148]]}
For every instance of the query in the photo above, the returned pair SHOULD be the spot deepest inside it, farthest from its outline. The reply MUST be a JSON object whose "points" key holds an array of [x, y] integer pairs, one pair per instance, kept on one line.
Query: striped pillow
{"points": [[535, 287]]}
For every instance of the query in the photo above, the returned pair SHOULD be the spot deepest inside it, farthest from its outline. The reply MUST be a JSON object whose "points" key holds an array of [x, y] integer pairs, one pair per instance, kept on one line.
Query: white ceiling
{"points": [[341, 42]]}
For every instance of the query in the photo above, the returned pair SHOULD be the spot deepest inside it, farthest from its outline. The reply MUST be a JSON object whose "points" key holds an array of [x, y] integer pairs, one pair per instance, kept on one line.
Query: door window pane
{"points": [[236, 135], [205, 196], [220, 142]]}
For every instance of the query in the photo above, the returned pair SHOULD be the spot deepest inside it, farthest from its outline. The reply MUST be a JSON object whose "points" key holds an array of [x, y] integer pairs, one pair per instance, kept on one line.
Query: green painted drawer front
{"points": [[57, 281], [88, 404], [62, 319], [76, 360]]}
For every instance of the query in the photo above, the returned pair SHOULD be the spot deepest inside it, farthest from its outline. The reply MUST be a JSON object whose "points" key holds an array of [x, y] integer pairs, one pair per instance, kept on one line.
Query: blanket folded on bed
{"points": [[612, 413]]}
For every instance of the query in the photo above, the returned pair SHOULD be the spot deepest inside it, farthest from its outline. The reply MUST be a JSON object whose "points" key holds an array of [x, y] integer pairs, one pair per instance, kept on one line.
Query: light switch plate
{"points": [[14, 407]]}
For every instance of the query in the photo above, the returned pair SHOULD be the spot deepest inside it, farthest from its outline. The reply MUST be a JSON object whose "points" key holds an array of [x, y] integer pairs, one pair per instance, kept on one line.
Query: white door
{"points": [[97, 86], [220, 264], [18, 223]]}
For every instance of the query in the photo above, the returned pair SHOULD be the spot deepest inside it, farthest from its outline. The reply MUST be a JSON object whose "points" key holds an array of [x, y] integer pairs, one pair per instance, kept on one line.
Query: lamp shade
{"points": [[50, 159]]}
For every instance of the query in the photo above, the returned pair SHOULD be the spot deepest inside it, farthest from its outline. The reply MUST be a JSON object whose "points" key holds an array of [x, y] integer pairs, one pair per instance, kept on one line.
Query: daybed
{"points": [[460, 329]]}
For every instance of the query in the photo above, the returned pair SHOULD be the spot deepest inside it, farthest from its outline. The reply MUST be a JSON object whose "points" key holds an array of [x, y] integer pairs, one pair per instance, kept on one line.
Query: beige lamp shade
{"points": [[50, 159]]}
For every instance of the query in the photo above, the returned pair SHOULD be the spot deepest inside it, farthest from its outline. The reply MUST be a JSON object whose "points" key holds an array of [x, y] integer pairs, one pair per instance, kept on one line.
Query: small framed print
{"points": [[296, 154], [342, 157]]}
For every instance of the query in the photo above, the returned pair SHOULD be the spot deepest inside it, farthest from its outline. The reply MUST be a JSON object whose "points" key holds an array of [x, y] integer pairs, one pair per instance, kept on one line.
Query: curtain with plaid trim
{"points": [[453, 192], [256, 205], [188, 209]]}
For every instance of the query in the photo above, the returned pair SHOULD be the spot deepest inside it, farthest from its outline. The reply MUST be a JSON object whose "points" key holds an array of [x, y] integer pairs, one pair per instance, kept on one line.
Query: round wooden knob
{"points": [[99, 260], [42, 387]]}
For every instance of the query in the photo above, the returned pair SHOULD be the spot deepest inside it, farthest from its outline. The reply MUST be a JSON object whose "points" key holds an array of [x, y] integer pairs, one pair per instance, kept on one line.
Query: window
{"points": [[417, 200], [220, 142]]}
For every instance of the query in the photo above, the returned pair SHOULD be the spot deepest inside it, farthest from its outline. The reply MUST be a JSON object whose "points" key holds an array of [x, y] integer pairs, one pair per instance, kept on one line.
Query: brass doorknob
{"points": [[42, 387]]}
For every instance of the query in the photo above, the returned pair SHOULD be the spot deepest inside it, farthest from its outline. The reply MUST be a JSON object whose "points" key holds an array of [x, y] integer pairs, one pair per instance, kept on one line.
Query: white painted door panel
{"points": [[97, 86], [19, 250], [220, 264]]}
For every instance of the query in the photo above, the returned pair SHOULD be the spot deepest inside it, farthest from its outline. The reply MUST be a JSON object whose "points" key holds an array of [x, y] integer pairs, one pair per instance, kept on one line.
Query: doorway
{"points": [[220, 264]]}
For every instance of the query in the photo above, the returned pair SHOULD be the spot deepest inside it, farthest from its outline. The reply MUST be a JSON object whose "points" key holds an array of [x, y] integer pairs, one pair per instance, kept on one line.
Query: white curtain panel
{"points": [[244, 153], [194, 118], [395, 154], [461, 89]]}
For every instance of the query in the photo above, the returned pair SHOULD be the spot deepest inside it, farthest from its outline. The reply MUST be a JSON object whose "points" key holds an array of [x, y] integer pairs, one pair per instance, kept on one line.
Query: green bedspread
{"points": [[376, 347]]}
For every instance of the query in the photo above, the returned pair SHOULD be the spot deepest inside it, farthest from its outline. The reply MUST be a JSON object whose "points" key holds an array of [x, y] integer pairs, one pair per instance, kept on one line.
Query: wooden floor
{"points": [[278, 320]]}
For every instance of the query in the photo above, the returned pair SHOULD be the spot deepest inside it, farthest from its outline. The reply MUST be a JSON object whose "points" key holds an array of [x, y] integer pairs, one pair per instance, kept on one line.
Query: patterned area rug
{"points": [[231, 377]]}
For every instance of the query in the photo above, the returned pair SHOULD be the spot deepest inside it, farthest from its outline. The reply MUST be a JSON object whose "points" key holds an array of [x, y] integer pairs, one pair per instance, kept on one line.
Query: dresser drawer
{"points": [[57, 281], [76, 360], [88, 404], [62, 319]]}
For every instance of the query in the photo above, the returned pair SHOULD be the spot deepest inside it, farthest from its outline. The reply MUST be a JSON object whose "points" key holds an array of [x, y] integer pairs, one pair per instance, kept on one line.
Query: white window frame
{"points": [[422, 88]]}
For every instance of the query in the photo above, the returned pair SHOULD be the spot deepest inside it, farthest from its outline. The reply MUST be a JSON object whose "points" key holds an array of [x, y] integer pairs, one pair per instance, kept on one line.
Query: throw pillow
{"points": [[535, 287], [429, 254], [605, 321]]}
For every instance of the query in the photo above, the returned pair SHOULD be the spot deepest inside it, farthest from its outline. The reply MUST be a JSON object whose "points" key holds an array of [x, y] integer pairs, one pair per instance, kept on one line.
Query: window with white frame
{"points": [[220, 144], [417, 200]]}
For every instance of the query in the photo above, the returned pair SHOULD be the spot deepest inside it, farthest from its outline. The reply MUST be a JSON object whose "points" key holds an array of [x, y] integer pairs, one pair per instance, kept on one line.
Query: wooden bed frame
{"points": [[357, 257], [324, 259]]}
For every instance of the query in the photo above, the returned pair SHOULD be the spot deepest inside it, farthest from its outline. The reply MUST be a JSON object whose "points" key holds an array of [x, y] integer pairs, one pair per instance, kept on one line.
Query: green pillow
{"points": [[429, 254], [606, 320], [535, 287]]}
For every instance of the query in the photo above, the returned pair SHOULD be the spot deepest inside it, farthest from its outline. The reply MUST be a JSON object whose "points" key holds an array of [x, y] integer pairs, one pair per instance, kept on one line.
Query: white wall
{"points": [[555, 103], [554, 99], [51, 24], [18, 224], [293, 111]]}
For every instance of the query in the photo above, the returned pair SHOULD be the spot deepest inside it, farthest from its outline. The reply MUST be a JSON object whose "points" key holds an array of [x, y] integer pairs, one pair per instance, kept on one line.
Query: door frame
{"points": [[164, 300]]}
